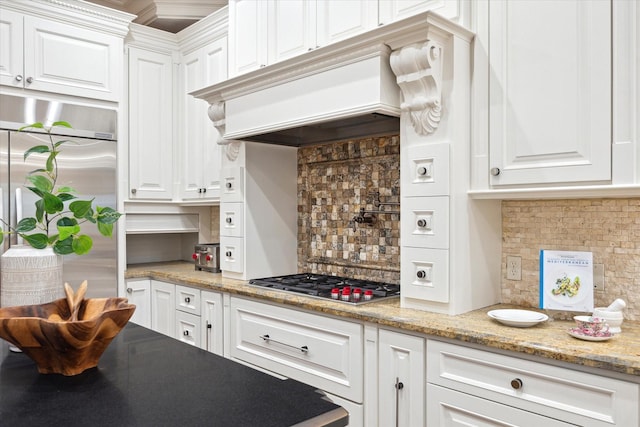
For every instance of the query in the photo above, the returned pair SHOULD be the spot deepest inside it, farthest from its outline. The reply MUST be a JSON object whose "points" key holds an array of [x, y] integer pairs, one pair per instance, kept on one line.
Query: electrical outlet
{"points": [[598, 277], [514, 268]]}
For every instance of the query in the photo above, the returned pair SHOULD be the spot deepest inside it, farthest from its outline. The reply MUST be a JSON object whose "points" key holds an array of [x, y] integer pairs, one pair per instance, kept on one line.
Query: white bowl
{"points": [[614, 318]]}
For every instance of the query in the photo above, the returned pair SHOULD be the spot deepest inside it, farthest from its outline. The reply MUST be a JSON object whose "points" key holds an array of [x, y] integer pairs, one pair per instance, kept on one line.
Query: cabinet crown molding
{"points": [[79, 13]]}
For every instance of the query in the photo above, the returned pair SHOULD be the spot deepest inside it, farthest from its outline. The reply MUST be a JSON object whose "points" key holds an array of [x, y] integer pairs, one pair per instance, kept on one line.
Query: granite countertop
{"points": [[550, 340]]}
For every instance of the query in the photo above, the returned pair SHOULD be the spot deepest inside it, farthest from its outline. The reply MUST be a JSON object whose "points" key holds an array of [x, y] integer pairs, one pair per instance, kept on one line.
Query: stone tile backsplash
{"points": [[336, 180], [610, 228]]}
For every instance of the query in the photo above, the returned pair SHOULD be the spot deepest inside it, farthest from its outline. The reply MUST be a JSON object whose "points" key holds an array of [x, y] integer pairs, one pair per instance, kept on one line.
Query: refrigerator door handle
{"points": [[19, 239]]}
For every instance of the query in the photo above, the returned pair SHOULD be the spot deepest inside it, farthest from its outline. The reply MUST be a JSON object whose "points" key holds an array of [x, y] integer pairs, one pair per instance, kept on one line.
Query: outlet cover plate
{"points": [[598, 277], [514, 268]]}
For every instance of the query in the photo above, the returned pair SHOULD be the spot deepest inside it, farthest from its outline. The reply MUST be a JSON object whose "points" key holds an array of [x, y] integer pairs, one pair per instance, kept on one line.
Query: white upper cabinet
{"points": [[201, 152], [266, 32], [339, 20], [150, 124], [549, 92], [42, 54], [392, 10]]}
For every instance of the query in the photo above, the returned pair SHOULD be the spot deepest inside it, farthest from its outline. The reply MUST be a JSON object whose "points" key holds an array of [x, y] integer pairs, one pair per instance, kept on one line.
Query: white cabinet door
{"points": [[291, 28], [549, 91], [393, 10], [450, 408], [401, 379], [212, 326], [50, 56], [338, 20], [11, 48], [201, 153], [150, 124], [163, 308], [247, 36], [139, 294]]}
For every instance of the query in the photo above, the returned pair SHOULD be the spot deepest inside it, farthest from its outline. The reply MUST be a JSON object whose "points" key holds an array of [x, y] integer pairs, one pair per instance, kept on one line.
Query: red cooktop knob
{"points": [[195, 256], [335, 293], [209, 257], [368, 294], [357, 293], [346, 293]]}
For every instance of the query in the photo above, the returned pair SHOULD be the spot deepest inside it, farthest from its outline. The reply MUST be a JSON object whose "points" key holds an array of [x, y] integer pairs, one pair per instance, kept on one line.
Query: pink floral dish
{"points": [[592, 326], [590, 336]]}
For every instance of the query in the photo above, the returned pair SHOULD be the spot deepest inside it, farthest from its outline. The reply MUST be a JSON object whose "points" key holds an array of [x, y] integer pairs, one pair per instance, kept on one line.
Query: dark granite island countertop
{"points": [[147, 379]]}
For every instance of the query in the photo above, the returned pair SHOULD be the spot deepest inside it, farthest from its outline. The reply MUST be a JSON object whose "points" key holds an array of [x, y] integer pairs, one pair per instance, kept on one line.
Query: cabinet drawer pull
{"points": [[129, 290], [229, 220], [495, 171], [303, 348], [229, 185], [422, 223], [186, 333], [18, 78], [421, 274], [228, 254], [516, 383], [29, 80], [187, 300]]}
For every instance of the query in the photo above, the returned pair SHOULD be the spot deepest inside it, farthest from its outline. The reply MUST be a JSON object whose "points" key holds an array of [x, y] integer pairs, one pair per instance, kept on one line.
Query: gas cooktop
{"points": [[353, 291]]}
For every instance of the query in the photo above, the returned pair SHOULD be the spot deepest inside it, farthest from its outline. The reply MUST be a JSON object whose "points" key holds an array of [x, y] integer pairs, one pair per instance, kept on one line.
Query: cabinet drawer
{"points": [[425, 222], [425, 274], [564, 394], [232, 184], [450, 408], [232, 254], [188, 328], [425, 170], [188, 299], [232, 219], [317, 350]]}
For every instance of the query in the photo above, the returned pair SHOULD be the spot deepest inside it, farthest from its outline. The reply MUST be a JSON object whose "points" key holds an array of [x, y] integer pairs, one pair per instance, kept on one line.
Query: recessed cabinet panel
{"points": [[425, 222], [291, 28], [11, 48], [188, 299], [338, 20], [212, 327], [150, 125], [232, 219], [425, 170], [450, 408], [188, 328], [550, 91], [564, 394], [139, 294], [163, 308], [317, 350], [232, 184], [232, 254], [425, 274]]}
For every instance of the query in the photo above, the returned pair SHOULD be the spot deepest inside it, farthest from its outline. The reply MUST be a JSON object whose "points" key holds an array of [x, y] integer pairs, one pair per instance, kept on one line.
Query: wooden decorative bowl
{"points": [[66, 336]]}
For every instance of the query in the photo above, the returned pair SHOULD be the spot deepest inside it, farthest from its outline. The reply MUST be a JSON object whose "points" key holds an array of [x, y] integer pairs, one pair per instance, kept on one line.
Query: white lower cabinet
{"points": [[212, 322], [163, 308], [450, 408], [139, 294], [315, 349], [466, 384], [401, 379], [188, 328]]}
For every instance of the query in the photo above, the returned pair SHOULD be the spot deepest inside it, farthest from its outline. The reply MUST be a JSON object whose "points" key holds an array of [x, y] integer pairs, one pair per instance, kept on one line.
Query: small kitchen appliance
{"points": [[206, 256], [353, 291]]}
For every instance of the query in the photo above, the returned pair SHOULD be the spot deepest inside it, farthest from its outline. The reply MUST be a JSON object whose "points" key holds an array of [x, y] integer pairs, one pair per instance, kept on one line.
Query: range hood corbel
{"points": [[348, 89]]}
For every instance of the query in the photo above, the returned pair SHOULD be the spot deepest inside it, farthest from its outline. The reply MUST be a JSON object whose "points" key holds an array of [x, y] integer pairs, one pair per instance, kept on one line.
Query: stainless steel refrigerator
{"points": [[87, 163]]}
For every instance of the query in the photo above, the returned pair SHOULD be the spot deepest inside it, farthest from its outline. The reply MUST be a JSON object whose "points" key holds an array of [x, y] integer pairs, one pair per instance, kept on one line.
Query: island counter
{"points": [[147, 379]]}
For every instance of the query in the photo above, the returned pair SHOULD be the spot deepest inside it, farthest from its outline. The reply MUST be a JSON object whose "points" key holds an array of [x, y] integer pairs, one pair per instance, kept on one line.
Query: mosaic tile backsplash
{"points": [[610, 228], [334, 182]]}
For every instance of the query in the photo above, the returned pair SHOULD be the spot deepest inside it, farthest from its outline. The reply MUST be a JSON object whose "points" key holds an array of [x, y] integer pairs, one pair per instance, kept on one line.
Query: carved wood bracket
{"points": [[216, 114], [418, 70]]}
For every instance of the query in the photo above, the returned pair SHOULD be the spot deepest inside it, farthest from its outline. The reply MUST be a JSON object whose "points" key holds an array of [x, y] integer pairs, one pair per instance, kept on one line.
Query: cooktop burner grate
{"points": [[353, 291]]}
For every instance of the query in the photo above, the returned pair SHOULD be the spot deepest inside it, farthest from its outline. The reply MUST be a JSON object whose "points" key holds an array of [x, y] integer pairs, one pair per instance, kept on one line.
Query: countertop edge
{"points": [[548, 340]]}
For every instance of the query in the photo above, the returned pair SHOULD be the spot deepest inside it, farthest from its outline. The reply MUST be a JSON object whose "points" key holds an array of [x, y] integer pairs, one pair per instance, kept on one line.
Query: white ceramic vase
{"points": [[30, 276]]}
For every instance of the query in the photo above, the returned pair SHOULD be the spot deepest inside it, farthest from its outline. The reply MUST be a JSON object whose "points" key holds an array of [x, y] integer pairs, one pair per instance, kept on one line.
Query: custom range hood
{"points": [[347, 89]]}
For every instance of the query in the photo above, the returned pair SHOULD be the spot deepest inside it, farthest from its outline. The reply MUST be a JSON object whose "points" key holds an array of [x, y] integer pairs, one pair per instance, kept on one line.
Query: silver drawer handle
{"points": [[303, 349]]}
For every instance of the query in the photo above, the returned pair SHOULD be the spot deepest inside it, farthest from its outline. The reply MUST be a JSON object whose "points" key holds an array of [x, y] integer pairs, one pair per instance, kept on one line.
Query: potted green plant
{"points": [[59, 214]]}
